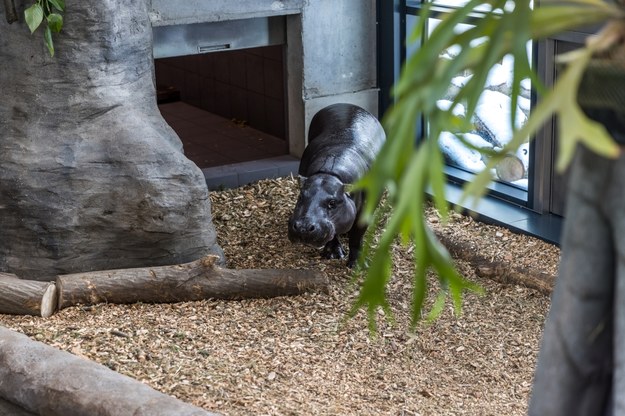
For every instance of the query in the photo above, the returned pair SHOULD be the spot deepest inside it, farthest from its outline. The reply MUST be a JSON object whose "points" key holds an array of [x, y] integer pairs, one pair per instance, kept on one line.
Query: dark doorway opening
{"points": [[227, 107]]}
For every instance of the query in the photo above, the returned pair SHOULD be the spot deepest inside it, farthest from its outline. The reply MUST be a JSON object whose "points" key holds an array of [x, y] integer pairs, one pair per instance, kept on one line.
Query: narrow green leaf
{"points": [[47, 37], [419, 30], [438, 179], [55, 22], [419, 290], [373, 292], [496, 50], [419, 66], [551, 19], [521, 66], [33, 16], [58, 4], [574, 125], [420, 284], [437, 308]]}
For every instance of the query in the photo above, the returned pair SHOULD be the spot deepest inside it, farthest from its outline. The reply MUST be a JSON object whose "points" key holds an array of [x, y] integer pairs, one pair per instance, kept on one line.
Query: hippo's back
{"points": [[343, 140]]}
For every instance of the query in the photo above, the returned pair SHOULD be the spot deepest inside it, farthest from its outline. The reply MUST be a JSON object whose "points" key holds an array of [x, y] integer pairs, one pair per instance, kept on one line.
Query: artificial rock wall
{"points": [[91, 176]]}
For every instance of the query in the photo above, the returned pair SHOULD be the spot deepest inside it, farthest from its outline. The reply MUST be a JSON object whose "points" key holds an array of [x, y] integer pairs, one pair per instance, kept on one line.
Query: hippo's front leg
{"points": [[356, 235], [333, 249]]}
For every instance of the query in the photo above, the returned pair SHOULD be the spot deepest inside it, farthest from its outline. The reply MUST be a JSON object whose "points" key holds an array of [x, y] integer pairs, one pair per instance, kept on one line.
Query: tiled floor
{"points": [[210, 140], [229, 153]]}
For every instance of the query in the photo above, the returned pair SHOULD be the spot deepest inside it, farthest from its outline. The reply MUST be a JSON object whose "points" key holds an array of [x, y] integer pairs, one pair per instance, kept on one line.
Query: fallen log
{"points": [[498, 271], [46, 381], [200, 279], [543, 282], [26, 297]]}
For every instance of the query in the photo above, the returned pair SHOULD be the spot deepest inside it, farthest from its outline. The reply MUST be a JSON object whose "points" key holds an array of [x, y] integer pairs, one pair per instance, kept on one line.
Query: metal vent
{"points": [[191, 39]]}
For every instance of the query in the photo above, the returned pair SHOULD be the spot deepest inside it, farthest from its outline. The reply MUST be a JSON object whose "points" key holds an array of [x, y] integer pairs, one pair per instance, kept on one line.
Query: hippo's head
{"points": [[324, 209]]}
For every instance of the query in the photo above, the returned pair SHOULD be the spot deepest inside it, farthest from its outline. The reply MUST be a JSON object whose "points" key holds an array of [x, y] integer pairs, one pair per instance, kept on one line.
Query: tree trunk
{"points": [[91, 176], [46, 381], [27, 297], [581, 365], [197, 280]]}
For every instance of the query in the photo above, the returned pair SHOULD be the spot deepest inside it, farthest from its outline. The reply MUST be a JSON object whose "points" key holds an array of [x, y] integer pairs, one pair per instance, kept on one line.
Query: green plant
{"points": [[50, 10], [407, 171]]}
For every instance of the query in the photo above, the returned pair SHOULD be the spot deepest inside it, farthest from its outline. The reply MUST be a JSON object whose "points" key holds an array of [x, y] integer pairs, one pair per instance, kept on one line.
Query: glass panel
{"points": [[491, 120], [457, 4]]}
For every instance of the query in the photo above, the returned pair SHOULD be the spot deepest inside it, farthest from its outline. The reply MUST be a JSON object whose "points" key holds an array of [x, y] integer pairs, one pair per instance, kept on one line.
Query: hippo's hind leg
{"points": [[333, 249], [356, 235]]}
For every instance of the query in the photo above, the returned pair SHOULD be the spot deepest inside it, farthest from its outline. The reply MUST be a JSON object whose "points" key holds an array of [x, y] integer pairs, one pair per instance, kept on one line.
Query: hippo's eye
{"points": [[332, 204]]}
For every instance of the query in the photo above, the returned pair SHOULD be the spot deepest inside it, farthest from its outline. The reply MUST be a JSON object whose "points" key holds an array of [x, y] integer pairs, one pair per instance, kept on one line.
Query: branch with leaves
{"points": [[50, 11], [407, 171]]}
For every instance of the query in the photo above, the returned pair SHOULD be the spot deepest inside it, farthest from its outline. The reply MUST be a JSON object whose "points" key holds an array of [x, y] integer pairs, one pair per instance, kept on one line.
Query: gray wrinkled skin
{"points": [[323, 211], [343, 142]]}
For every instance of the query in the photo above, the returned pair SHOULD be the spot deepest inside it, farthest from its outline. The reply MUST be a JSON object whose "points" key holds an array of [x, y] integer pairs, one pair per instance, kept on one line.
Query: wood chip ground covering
{"points": [[300, 355]]}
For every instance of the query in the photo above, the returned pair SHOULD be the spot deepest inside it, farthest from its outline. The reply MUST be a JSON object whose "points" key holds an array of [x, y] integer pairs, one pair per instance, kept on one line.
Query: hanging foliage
{"points": [[50, 12], [407, 171]]}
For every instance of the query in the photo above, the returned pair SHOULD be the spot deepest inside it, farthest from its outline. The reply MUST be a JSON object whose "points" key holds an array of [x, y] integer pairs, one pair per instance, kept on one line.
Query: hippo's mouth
{"points": [[318, 240], [314, 241]]}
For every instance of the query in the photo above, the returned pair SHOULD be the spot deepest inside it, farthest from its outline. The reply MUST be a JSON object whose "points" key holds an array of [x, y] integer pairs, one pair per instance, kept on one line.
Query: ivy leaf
{"points": [[55, 22], [33, 16], [58, 4], [47, 37]]}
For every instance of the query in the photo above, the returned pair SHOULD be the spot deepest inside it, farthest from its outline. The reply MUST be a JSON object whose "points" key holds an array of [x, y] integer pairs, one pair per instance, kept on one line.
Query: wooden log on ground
{"points": [[200, 279], [498, 271], [47, 381], [26, 297]]}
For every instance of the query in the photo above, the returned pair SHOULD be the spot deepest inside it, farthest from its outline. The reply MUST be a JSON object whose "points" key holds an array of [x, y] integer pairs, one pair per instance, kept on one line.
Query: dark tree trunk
{"points": [[575, 365], [91, 176], [581, 365]]}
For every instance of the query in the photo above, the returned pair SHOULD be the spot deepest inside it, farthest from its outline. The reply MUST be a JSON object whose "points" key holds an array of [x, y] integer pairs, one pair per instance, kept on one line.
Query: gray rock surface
{"points": [[91, 176]]}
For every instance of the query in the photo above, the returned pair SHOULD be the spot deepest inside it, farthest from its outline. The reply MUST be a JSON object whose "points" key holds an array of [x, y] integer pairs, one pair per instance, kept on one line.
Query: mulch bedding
{"points": [[302, 355]]}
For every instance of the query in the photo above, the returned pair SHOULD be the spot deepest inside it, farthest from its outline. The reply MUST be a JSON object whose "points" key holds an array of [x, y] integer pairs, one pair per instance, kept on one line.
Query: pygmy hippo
{"points": [[343, 140]]}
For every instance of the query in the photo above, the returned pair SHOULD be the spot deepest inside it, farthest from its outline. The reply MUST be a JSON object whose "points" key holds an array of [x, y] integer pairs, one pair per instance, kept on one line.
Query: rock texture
{"points": [[91, 176]]}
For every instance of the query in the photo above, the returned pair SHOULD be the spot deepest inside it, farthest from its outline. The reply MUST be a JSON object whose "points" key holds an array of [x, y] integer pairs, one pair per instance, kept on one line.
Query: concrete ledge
{"points": [[239, 174], [168, 12]]}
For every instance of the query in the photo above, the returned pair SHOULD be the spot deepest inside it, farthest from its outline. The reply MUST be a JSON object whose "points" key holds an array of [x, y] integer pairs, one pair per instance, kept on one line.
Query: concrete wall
{"points": [[330, 49], [177, 12], [339, 56]]}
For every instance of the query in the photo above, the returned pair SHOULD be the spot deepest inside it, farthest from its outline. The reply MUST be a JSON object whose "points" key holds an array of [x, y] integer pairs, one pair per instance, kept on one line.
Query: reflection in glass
{"points": [[491, 120]]}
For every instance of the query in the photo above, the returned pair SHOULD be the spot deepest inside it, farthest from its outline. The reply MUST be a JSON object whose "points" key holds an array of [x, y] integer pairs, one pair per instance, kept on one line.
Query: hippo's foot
{"points": [[352, 260], [333, 249]]}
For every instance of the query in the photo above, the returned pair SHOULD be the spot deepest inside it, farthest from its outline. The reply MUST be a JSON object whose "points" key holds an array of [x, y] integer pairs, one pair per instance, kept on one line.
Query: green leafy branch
{"points": [[50, 10], [407, 171]]}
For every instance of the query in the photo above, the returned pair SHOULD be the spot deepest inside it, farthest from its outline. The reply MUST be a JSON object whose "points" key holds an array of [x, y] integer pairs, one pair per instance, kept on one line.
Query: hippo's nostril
{"points": [[303, 226], [299, 226]]}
